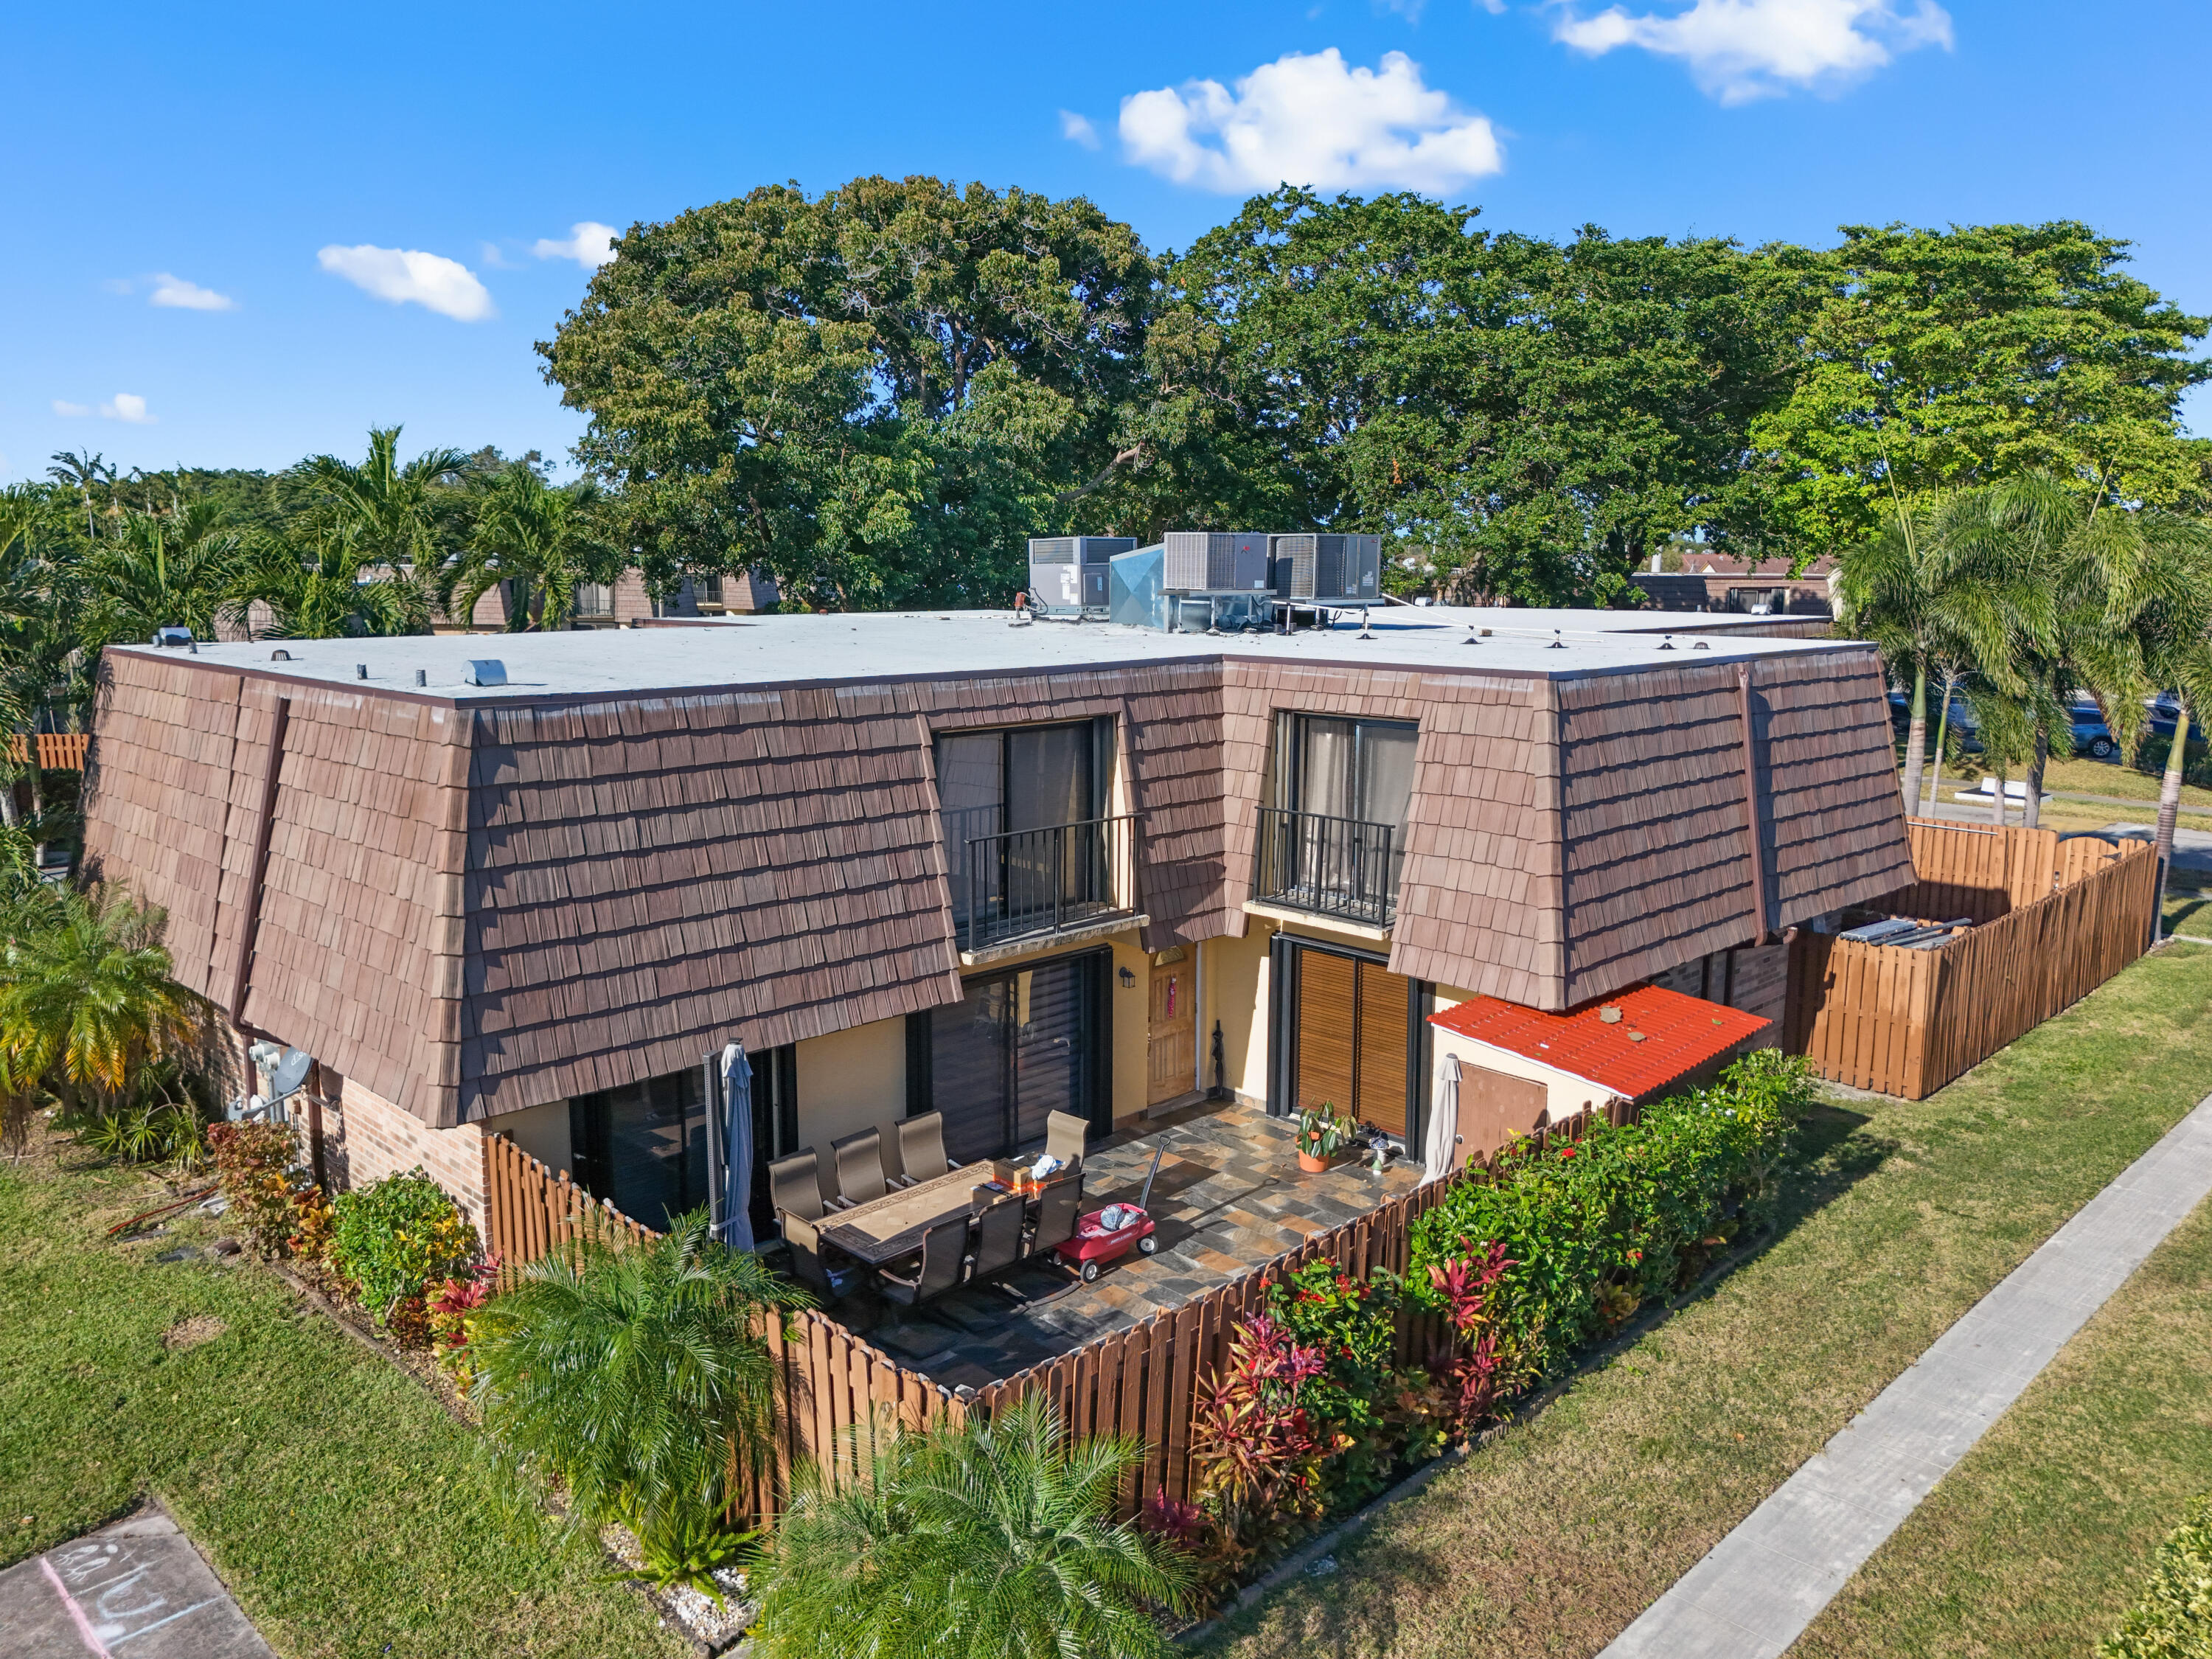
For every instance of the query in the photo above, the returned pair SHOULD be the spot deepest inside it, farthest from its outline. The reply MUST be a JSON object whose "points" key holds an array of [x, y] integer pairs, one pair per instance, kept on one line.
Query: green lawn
{"points": [[2039, 1540], [336, 1497], [1559, 1531]]}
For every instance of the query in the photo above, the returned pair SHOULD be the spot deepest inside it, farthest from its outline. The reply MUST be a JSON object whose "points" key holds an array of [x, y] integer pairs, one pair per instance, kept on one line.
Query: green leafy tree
{"points": [[989, 1541], [875, 394], [172, 569], [1949, 359], [330, 587], [639, 1380], [540, 541], [1536, 418]]}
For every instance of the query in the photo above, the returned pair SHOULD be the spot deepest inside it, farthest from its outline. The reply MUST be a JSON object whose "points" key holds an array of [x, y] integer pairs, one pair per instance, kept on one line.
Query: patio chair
{"points": [[795, 1189], [997, 1239], [921, 1149], [1064, 1135], [943, 1247], [859, 1166], [1056, 1208]]}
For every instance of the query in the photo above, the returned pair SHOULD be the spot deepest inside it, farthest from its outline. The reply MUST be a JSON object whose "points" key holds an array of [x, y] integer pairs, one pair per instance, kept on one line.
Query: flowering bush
{"points": [[1256, 1446], [1590, 1229], [253, 1164], [450, 1307], [394, 1239]]}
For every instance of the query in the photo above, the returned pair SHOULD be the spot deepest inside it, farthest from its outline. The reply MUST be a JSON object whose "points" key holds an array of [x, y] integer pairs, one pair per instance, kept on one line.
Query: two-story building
{"points": [[962, 862]]}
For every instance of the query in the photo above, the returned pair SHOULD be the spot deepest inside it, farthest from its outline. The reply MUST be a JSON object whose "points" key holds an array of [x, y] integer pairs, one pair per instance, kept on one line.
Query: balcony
{"points": [[1342, 868], [1015, 890]]}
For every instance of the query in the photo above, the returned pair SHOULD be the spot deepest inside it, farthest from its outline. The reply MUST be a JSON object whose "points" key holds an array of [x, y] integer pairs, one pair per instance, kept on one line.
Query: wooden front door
{"points": [[1354, 1030], [1493, 1108], [1173, 1063]]}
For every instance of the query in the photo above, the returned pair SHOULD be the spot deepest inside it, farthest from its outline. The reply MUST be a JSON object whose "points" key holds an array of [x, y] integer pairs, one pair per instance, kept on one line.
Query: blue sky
{"points": [[205, 203]]}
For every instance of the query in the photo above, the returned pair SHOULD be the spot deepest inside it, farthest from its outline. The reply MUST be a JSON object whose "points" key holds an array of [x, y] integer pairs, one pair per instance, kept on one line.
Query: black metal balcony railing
{"points": [[1040, 882], [1330, 867]]}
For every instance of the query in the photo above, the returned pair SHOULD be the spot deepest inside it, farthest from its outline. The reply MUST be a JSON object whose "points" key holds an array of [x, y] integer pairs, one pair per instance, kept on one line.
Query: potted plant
{"points": [[1321, 1134]]}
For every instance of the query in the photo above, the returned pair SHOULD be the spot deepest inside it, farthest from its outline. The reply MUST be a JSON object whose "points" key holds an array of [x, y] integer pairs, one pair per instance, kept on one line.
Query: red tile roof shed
{"points": [[1660, 1036]]}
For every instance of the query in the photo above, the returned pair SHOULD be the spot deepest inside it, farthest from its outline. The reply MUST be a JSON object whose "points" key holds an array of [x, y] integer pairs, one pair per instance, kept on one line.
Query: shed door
{"points": [[1493, 1108]]}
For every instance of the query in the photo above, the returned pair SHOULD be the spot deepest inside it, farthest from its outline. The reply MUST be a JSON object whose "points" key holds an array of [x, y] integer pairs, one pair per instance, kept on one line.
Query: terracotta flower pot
{"points": [[1309, 1163]]}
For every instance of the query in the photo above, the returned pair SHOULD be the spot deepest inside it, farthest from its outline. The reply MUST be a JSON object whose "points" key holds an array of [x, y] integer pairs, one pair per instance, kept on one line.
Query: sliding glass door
{"points": [[1018, 1046]]}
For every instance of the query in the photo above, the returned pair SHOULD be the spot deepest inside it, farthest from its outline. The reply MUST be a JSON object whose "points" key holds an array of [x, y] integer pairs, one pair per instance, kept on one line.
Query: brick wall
{"points": [[365, 1136]]}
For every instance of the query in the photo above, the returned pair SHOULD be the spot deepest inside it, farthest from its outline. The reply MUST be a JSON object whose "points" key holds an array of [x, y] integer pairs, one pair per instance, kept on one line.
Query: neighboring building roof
{"points": [[812, 650], [1659, 1037], [1718, 565]]}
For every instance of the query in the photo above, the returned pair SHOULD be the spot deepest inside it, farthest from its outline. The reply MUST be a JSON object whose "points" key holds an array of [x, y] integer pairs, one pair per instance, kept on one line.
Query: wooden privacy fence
{"points": [[2057, 920], [61, 752], [840, 1395]]}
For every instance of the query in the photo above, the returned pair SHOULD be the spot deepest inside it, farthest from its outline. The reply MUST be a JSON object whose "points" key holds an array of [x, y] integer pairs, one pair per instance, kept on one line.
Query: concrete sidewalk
{"points": [[134, 1590], [1760, 1587]]}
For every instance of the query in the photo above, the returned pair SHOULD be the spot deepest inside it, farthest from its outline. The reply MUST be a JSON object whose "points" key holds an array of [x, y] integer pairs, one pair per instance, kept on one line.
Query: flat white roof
{"points": [[878, 645]]}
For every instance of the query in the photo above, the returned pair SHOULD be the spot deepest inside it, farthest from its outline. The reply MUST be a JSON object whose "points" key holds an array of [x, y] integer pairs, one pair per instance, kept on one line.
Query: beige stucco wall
{"points": [[1237, 990], [852, 1080], [542, 1132]]}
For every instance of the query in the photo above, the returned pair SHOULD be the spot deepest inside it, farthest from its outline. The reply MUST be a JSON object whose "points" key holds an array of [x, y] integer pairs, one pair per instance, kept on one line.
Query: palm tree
{"points": [[173, 569], [328, 590], [639, 1379], [84, 472], [986, 1541], [395, 509], [1930, 594], [86, 996], [535, 537]]}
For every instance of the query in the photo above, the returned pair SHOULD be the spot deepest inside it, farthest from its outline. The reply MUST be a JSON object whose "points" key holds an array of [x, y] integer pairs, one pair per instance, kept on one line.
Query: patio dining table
{"points": [[885, 1229]]}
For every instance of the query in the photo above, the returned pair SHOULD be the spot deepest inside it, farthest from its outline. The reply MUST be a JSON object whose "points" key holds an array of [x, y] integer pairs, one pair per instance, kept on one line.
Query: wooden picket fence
{"points": [[530, 1212], [58, 752], [2057, 920]]}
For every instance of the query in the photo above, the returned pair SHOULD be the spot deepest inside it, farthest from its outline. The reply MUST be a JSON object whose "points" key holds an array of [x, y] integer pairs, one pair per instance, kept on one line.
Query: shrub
{"points": [[1592, 1227], [638, 1379], [451, 1308], [987, 1541], [394, 1238], [2172, 1619], [253, 1164]]}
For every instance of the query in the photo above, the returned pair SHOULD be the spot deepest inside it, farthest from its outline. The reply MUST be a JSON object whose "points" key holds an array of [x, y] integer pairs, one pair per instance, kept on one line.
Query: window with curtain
{"points": [[1007, 781]]}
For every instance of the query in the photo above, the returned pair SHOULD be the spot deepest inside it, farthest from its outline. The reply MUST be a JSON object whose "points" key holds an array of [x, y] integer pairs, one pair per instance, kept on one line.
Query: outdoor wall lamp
{"points": [[1128, 980]]}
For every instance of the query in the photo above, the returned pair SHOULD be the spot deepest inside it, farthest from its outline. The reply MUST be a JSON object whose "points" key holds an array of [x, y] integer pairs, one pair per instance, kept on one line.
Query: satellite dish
{"points": [[290, 1071]]}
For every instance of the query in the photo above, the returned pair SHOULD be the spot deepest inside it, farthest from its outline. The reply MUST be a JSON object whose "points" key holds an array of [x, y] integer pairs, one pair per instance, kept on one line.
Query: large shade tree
{"points": [[1948, 359], [875, 393], [1535, 417]]}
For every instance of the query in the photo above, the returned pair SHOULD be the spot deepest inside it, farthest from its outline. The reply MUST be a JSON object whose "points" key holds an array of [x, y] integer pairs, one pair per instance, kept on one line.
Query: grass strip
{"points": [[2037, 1543], [339, 1501], [1899, 1217]]}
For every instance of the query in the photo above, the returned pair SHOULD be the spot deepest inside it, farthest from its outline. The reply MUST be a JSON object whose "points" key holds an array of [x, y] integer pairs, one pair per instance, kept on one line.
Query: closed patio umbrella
{"points": [[736, 1229], [1442, 1152]]}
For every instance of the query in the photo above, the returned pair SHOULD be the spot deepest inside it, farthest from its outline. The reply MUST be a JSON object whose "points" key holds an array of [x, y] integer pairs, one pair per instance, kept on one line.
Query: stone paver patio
{"points": [[1228, 1196]]}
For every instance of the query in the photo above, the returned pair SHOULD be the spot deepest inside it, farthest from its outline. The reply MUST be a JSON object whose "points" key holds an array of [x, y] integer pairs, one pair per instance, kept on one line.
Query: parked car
{"points": [[2092, 737], [1966, 731]]}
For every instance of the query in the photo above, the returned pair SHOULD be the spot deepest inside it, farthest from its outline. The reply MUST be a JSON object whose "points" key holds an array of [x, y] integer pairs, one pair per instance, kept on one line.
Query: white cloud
{"points": [[127, 407], [1310, 120], [1740, 50], [405, 276], [590, 243], [175, 291], [1078, 128], [69, 411]]}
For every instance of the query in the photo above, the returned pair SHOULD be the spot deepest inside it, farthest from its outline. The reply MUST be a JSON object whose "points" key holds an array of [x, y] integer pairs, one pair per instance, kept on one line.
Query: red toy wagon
{"points": [[1095, 1243]]}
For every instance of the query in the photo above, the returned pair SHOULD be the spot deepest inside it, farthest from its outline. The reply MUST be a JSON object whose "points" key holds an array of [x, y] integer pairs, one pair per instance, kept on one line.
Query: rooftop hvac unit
{"points": [[1215, 561], [1321, 568], [1068, 573]]}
